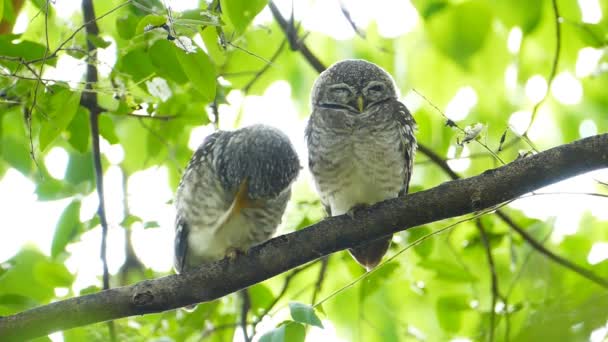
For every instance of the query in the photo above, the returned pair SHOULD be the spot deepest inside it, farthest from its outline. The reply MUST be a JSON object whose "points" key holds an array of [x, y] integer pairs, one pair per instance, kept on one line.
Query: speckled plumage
{"points": [[233, 193], [361, 151]]}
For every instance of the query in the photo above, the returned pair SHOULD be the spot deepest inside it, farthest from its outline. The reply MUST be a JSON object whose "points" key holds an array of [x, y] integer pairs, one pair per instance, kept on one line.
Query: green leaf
{"points": [[375, 280], [63, 108], [137, 64], [424, 248], [241, 12], [67, 228], [20, 278], [17, 302], [449, 311], [80, 168], [98, 41], [80, 131], [304, 313], [16, 153], [151, 224], [428, 8], [261, 297], [523, 13], [151, 20], [460, 30], [162, 54], [129, 220], [126, 26], [106, 129], [200, 71], [448, 271], [1, 9], [28, 50], [53, 274], [287, 332]]}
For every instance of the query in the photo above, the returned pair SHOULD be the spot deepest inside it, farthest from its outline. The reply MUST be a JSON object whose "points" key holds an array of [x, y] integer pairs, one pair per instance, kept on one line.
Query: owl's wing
{"points": [[309, 142], [407, 141], [192, 180]]}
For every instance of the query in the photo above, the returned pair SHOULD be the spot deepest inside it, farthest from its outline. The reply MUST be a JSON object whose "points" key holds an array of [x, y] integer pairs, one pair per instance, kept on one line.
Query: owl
{"points": [[361, 144], [233, 193]]}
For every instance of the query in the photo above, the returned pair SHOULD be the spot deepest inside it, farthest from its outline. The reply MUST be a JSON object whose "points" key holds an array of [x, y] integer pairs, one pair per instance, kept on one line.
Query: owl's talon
{"points": [[232, 253], [352, 212]]}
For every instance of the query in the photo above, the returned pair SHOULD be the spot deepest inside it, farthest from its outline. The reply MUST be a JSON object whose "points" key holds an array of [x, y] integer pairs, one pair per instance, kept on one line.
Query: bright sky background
{"points": [[33, 222]]}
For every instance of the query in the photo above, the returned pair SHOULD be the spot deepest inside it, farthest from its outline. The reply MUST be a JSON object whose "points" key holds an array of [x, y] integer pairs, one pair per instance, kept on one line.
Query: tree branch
{"points": [[214, 280]]}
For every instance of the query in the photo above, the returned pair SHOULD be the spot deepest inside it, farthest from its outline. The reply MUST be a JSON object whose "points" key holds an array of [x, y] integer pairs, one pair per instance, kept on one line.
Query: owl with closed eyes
{"points": [[361, 144]]}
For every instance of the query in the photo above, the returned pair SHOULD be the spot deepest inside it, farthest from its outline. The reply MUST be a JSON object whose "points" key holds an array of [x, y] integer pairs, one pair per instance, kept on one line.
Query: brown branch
{"points": [[295, 43], [216, 279], [245, 307], [89, 100], [320, 279], [265, 68], [495, 294]]}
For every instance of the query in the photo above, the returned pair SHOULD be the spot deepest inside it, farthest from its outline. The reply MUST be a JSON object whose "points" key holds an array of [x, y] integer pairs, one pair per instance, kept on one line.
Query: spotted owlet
{"points": [[361, 144], [233, 193]]}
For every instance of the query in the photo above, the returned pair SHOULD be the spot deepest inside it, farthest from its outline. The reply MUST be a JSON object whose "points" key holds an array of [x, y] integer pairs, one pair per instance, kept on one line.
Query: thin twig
{"points": [[451, 123], [265, 68], [30, 112], [132, 262], [89, 100], [558, 259], [493, 277], [294, 43], [554, 64], [350, 20], [245, 306], [281, 294], [320, 279]]}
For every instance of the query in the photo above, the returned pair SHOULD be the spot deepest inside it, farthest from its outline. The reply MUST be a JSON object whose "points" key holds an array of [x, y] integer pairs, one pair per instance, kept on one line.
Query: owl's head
{"points": [[262, 156], [353, 85]]}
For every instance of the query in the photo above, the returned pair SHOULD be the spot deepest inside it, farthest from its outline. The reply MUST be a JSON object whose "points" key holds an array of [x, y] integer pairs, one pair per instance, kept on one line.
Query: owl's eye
{"points": [[341, 92], [376, 88]]}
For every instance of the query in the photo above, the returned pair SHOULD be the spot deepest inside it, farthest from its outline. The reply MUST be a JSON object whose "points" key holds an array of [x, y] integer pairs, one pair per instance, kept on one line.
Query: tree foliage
{"points": [[175, 71]]}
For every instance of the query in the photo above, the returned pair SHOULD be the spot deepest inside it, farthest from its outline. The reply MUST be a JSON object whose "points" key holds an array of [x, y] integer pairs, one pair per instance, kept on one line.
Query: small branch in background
{"points": [[350, 20], [280, 296], [245, 307], [450, 123], [132, 262], [320, 279], [294, 43], [558, 259], [216, 113], [493, 277], [267, 66], [152, 117], [554, 65], [89, 100], [30, 111]]}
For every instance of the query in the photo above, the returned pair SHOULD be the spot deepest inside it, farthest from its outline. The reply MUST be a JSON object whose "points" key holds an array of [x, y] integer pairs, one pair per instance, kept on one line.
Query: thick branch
{"points": [[217, 279]]}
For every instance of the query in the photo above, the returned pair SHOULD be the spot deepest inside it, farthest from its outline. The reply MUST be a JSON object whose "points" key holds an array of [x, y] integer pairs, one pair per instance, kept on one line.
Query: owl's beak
{"points": [[360, 103]]}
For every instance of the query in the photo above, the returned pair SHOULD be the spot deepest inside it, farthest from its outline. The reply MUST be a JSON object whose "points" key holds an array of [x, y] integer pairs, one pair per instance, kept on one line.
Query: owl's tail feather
{"points": [[370, 254]]}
